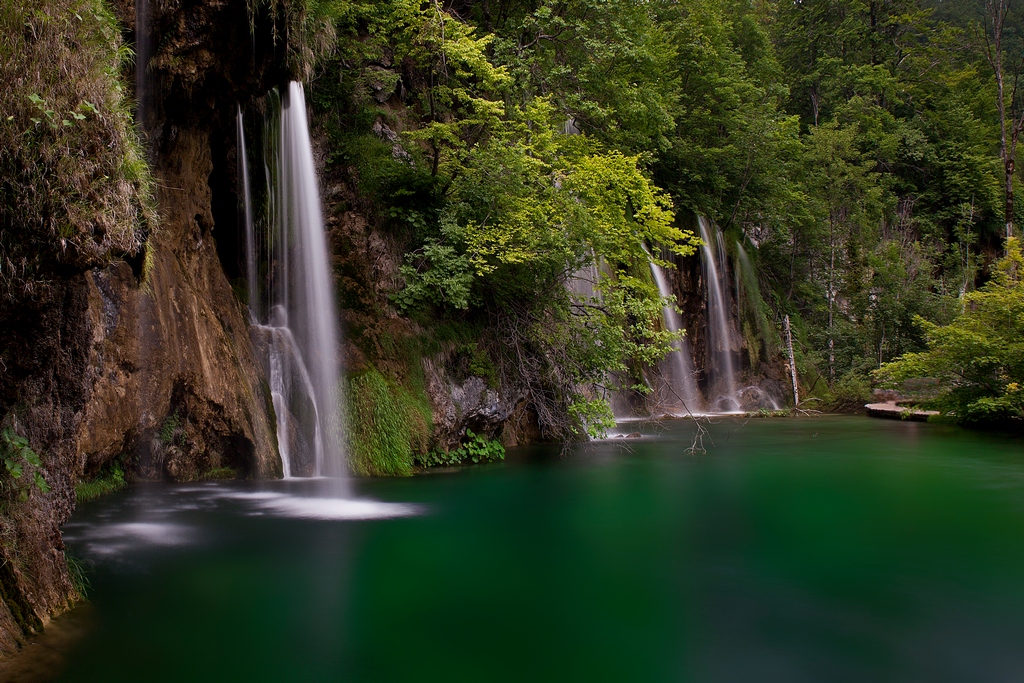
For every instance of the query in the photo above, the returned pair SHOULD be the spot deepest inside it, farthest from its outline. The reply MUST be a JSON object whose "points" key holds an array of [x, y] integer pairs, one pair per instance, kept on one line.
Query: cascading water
{"points": [[583, 283], [143, 52], [720, 337], [250, 232], [312, 302], [299, 336], [680, 386]]}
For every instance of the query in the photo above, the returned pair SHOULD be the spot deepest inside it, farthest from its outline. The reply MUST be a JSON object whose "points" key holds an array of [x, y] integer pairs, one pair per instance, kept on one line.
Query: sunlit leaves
{"points": [[979, 357]]}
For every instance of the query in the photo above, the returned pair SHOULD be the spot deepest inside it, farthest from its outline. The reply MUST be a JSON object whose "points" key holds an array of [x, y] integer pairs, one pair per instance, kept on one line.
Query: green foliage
{"points": [[78, 575], [476, 449], [18, 461], [170, 432], [220, 474], [849, 393], [387, 425], [75, 190], [109, 481], [435, 274], [848, 146], [978, 358]]}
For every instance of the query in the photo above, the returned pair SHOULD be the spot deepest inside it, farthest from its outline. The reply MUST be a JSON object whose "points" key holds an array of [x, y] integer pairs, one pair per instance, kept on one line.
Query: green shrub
{"points": [[977, 361], [850, 393], [108, 481], [19, 461], [477, 449]]}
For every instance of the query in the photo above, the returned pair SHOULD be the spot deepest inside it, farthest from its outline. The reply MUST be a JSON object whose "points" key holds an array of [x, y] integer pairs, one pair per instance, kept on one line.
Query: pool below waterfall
{"points": [[825, 549]]}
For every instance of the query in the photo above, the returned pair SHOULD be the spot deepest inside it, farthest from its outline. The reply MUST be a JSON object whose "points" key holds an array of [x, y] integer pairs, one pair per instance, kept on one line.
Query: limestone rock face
{"points": [[146, 359], [458, 406], [197, 366]]}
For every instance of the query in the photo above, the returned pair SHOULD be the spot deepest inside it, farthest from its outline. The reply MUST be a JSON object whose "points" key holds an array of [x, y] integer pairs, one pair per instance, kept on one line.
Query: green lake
{"points": [[820, 550]]}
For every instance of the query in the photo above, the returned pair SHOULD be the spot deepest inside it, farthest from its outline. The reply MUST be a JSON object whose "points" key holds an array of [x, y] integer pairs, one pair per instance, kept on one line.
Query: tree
{"points": [[1011, 119], [978, 359]]}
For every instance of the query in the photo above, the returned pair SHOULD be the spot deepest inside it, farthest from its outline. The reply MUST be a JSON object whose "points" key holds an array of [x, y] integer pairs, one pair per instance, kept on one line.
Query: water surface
{"points": [[831, 549]]}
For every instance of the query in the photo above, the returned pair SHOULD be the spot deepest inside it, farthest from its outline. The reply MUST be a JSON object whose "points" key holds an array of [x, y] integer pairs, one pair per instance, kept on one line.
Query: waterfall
{"points": [[721, 342], [583, 283], [680, 386], [299, 335], [312, 301], [251, 272], [143, 53]]}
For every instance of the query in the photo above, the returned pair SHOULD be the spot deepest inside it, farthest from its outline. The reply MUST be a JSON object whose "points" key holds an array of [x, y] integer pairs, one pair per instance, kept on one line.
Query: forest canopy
{"points": [[853, 148]]}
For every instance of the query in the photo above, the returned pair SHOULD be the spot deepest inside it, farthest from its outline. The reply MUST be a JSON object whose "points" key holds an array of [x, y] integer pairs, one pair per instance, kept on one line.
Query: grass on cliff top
{"points": [[75, 188]]}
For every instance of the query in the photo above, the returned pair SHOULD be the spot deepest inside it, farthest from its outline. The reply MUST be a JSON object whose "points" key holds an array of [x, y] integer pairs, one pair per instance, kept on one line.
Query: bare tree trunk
{"points": [[996, 11], [1009, 165], [792, 362], [831, 297]]}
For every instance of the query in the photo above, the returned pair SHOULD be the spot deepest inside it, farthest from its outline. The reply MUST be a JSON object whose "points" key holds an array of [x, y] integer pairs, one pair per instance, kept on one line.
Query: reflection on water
{"points": [[793, 550]]}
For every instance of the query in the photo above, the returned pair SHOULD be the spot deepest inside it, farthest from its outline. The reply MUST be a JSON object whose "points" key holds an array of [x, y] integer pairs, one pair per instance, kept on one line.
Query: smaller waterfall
{"points": [[680, 388], [299, 436], [721, 341], [251, 274], [143, 53], [583, 283]]}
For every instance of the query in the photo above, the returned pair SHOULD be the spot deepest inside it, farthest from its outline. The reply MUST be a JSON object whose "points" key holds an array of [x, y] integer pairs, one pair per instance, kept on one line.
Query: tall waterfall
{"points": [[680, 386], [721, 341], [292, 293]]}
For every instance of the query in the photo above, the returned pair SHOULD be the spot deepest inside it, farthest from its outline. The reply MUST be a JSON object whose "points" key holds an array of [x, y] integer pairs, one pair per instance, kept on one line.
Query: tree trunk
{"points": [[1010, 166], [792, 362], [831, 298]]}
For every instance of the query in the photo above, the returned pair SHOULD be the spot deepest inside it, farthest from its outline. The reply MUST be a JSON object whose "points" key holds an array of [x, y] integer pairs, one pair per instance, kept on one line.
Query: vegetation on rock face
{"points": [[75, 189], [387, 425], [22, 468], [109, 481], [476, 449], [978, 358], [75, 194]]}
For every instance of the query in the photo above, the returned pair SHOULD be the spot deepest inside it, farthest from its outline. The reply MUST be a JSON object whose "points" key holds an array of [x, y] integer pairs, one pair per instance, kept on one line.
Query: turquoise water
{"points": [[830, 549]]}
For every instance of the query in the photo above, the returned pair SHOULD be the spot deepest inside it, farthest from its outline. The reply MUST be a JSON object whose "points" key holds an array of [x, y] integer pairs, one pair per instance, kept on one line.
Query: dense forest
{"points": [[858, 152]]}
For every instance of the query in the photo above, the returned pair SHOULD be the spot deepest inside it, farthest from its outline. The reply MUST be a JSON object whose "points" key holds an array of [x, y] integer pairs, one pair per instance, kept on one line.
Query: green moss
{"points": [[220, 474], [387, 423]]}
